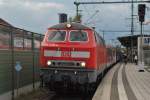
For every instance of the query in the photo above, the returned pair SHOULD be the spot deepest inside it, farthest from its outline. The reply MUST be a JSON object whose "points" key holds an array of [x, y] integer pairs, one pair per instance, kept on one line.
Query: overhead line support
{"points": [[116, 2], [103, 2]]}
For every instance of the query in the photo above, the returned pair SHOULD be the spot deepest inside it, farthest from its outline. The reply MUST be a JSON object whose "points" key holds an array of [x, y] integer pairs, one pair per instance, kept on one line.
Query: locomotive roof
{"points": [[76, 26]]}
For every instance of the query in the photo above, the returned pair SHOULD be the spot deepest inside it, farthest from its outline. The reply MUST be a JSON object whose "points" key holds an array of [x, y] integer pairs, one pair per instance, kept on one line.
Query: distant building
{"points": [[22, 38], [134, 43], [144, 49], [3, 22], [4, 36]]}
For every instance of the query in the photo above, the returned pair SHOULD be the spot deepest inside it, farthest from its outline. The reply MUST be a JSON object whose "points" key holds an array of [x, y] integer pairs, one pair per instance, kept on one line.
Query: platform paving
{"points": [[124, 82]]}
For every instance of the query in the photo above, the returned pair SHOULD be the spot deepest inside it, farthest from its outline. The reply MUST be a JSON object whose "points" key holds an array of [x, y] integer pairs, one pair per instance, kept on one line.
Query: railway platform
{"points": [[124, 82]]}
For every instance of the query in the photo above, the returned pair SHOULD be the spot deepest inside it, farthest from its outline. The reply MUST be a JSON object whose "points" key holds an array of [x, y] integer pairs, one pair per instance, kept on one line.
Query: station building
{"points": [[22, 38], [137, 45]]}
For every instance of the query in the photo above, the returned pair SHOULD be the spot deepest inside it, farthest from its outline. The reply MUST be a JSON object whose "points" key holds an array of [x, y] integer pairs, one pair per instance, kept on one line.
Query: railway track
{"points": [[67, 96], [48, 95]]}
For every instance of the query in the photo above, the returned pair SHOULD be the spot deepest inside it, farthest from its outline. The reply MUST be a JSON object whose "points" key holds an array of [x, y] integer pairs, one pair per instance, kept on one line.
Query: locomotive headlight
{"points": [[49, 63], [68, 25], [83, 64]]}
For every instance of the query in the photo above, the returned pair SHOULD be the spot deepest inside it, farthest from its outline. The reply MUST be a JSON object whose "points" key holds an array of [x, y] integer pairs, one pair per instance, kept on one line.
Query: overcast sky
{"points": [[38, 15]]}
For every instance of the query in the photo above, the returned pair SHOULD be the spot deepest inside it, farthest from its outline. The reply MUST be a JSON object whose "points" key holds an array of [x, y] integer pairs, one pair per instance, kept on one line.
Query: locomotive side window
{"points": [[78, 36], [99, 39], [96, 37], [102, 40], [56, 36]]}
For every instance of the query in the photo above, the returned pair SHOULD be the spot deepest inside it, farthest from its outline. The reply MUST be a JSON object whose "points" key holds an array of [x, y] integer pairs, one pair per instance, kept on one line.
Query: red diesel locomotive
{"points": [[73, 54]]}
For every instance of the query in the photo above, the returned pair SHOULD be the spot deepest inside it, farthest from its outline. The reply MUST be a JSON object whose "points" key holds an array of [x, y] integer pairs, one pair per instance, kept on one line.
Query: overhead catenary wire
{"points": [[91, 21], [88, 21], [86, 10]]}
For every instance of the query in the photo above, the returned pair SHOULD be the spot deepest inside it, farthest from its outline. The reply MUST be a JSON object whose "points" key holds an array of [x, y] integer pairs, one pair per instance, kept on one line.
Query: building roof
{"points": [[4, 25], [3, 22], [127, 40]]}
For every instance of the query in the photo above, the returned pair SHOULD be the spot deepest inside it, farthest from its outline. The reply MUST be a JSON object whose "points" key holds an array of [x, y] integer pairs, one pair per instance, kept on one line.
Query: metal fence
{"points": [[19, 58]]}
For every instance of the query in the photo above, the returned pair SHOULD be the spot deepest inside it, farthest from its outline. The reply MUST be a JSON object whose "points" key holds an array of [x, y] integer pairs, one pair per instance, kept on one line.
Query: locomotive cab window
{"points": [[57, 36], [76, 36]]}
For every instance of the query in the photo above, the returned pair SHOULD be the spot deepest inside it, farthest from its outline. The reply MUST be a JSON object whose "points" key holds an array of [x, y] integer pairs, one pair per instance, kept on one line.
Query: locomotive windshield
{"points": [[56, 36], [78, 36]]}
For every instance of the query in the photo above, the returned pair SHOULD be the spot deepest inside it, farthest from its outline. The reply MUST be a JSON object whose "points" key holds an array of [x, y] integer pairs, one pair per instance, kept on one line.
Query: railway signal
{"points": [[141, 12]]}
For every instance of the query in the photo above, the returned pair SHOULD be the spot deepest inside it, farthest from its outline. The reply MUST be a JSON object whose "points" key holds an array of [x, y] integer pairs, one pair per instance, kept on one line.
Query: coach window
{"points": [[78, 36], [56, 36]]}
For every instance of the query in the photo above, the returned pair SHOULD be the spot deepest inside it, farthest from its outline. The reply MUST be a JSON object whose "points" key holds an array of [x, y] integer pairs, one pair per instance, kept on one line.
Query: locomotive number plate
{"points": [[65, 53]]}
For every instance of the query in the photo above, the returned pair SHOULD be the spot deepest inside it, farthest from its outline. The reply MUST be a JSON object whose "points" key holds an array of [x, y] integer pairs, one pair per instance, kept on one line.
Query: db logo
{"points": [[66, 54]]}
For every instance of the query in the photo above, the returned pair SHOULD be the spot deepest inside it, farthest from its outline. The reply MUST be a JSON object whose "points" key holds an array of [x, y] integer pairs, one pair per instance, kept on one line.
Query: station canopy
{"points": [[126, 40]]}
